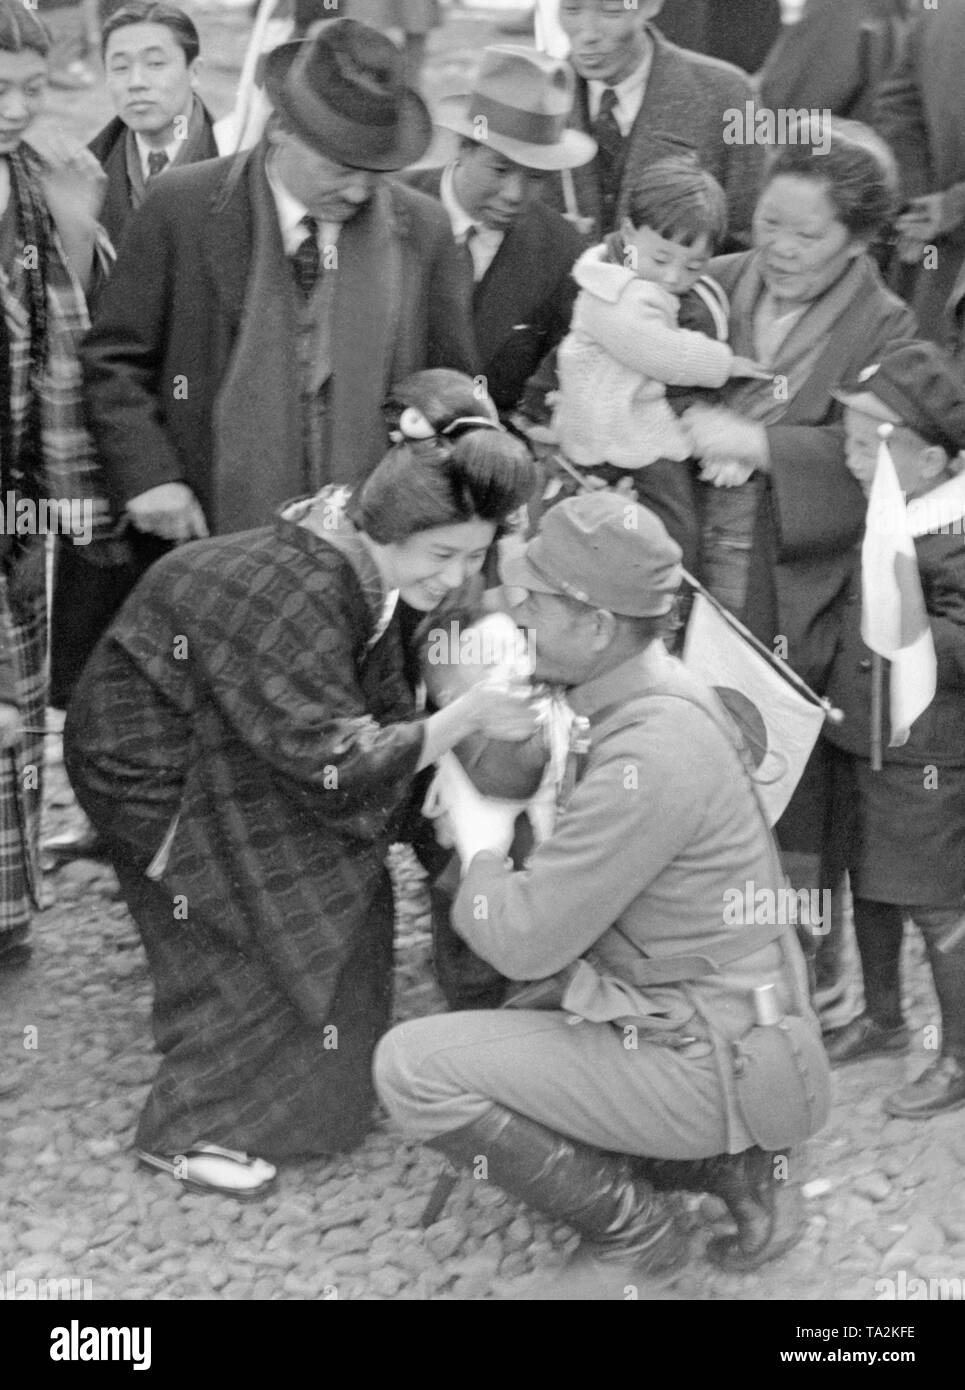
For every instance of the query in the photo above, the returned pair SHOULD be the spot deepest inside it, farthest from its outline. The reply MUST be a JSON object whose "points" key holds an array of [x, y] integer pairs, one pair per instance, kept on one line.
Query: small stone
{"points": [[73, 1247], [344, 1239], [39, 1266], [953, 1225], [518, 1234], [27, 1136], [103, 1148], [134, 1071], [925, 1236], [873, 1185], [818, 1187], [42, 1238], [387, 1281], [445, 1237], [514, 1265], [352, 1263]]}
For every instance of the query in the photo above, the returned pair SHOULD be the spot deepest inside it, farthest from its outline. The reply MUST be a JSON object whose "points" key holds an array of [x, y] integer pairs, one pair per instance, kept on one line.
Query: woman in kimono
{"points": [[808, 303], [48, 237], [244, 738]]}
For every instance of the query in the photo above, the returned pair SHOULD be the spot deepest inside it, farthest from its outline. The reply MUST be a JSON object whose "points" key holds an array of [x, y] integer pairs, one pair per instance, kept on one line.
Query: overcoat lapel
{"points": [[228, 246], [257, 421], [365, 316]]}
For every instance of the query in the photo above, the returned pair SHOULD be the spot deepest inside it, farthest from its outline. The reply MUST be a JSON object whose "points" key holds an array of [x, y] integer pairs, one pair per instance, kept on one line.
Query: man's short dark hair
{"points": [[678, 200], [150, 12]]}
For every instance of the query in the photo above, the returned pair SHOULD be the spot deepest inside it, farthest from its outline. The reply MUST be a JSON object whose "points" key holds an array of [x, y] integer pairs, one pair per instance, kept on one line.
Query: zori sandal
{"points": [[210, 1168]]}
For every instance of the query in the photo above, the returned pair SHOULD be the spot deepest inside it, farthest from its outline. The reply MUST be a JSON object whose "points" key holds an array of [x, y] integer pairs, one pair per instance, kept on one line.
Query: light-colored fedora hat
{"points": [[519, 105], [343, 92]]}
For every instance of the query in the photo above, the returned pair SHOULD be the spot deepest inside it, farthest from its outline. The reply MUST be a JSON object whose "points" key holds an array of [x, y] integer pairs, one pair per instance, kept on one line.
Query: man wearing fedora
{"points": [[517, 252], [641, 97], [262, 305], [613, 1073]]}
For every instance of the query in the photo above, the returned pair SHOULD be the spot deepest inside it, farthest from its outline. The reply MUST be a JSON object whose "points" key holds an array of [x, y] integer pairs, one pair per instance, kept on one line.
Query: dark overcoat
{"points": [[835, 57], [920, 113], [522, 305], [237, 689], [937, 736], [739, 31], [900, 831], [813, 511]]}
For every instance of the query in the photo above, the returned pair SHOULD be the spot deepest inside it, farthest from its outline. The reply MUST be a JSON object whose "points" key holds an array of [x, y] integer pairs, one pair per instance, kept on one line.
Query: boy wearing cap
{"points": [[621, 1079], [517, 252], [900, 831]]}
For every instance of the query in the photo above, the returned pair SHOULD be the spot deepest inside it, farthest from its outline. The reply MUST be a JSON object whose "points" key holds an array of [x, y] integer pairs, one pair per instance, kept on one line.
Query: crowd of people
{"points": [[562, 349]]}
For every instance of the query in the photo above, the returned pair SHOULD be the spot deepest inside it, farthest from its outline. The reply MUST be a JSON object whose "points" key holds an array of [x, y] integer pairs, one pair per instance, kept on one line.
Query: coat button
{"points": [[864, 664]]}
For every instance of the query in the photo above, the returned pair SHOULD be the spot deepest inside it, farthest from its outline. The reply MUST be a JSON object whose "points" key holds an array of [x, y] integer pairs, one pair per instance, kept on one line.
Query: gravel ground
{"points": [[885, 1195]]}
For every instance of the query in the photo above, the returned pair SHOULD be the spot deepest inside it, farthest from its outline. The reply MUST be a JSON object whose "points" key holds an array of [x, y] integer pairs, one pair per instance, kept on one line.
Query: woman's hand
{"points": [[493, 708], [10, 723], [719, 433], [502, 710]]}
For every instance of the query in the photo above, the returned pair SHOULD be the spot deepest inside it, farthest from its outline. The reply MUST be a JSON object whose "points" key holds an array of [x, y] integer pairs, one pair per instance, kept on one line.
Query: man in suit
{"points": [[151, 61], [920, 112], [517, 252], [835, 57], [739, 31], [641, 98], [262, 305]]}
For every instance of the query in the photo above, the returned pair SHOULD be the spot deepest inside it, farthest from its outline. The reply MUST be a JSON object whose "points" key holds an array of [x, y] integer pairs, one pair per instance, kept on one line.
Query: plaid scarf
{"points": [[49, 453]]}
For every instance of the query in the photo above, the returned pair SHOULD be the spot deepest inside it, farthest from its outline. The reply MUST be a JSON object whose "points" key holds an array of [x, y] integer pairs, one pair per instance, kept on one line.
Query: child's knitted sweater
{"points": [[623, 349]]}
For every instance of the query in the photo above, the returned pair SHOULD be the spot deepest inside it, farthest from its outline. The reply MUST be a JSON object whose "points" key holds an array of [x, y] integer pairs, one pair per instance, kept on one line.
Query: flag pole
{"points": [[877, 681], [832, 715]]}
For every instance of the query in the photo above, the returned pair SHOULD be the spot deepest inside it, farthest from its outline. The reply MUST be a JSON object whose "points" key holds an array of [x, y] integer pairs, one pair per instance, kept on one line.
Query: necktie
{"points": [[307, 262], [467, 254], [609, 157], [156, 161]]}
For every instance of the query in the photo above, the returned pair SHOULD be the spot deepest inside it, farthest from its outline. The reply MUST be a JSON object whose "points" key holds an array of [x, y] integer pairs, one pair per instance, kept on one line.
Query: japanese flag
{"points": [[894, 622], [779, 725]]}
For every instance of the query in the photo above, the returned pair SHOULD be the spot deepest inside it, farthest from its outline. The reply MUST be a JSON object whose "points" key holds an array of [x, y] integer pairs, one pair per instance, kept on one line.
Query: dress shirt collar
{"points": [[485, 242], [172, 149], [630, 93], [290, 213], [459, 218]]}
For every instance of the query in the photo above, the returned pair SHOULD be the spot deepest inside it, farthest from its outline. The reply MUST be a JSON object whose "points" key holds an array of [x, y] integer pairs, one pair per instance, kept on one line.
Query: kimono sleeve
{"points": [[283, 666]]}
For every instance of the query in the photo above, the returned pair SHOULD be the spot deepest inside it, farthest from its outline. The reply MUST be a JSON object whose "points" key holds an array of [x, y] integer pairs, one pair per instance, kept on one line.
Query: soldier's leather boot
{"points": [[619, 1216], [766, 1211]]}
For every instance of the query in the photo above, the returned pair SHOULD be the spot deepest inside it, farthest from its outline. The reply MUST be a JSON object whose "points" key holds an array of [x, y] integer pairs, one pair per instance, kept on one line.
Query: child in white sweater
{"points": [[625, 347]]}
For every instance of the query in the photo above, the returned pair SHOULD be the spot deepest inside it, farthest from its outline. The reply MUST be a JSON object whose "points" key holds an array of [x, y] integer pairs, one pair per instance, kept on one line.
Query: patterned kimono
{"points": [[45, 454], [247, 709]]}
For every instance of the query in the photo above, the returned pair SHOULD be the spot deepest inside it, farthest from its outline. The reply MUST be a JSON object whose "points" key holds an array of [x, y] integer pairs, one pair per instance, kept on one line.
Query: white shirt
{"points": [[486, 241], [630, 93], [290, 213]]}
